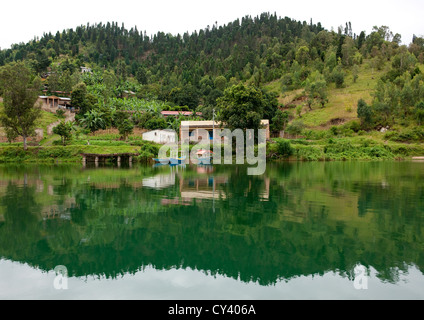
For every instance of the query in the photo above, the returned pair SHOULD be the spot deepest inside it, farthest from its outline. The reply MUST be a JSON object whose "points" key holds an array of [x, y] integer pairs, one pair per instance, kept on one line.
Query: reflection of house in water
{"points": [[160, 181], [210, 187], [207, 187], [264, 195]]}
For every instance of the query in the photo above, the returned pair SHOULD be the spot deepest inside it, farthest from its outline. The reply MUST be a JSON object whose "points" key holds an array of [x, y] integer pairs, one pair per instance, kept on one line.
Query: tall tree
{"points": [[241, 107], [64, 130], [316, 88], [419, 112], [20, 93], [279, 122], [82, 99], [365, 113]]}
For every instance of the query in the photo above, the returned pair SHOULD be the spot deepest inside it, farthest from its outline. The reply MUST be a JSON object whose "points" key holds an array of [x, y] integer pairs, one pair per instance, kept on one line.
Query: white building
{"points": [[85, 70], [160, 136]]}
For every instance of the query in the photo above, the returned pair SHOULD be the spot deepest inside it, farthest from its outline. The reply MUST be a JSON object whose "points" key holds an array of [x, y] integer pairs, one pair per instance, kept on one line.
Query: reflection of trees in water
{"points": [[21, 224], [118, 227]]}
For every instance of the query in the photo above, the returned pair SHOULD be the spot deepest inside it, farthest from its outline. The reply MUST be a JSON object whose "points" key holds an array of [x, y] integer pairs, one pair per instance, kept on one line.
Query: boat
{"points": [[205, 161], [162, 161], [204, 157], [176, 161]]}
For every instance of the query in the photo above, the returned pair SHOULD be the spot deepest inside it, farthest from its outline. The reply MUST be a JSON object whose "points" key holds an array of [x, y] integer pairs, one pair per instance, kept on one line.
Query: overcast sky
{"points": [[22, 20]]}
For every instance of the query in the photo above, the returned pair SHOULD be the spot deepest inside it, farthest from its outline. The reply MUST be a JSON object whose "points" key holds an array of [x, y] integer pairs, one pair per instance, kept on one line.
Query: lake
{"points": [[339, 230]]}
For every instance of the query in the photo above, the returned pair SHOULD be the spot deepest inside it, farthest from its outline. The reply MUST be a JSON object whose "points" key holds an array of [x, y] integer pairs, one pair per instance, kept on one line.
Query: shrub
{"points": [[316, 134], [379, 152], [338, 147], [148, 151], [355, 126], [125, 128], [416, 135], [156, 123], [64, 130], [334, 131], [309, 153], [284, 148], [338, 77], [60, 113], [296, 128]]}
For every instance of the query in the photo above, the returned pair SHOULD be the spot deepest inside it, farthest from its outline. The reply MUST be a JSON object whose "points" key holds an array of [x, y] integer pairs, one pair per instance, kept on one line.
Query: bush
{"points": [[414, 135], [355, 126], [316, 134], [284, 149], [379, 152], [334, 131], [60, 113], [309, 153], [296, 128], [148, 151], [338, 77], [338, 147], [155, 124]]}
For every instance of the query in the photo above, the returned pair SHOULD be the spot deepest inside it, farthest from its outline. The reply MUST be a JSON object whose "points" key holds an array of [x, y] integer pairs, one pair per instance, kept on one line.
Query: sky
{"points": [[22, 20]]}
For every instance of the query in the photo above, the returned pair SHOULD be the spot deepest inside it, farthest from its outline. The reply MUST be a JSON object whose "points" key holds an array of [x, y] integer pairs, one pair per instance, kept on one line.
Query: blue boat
{"points": [[162, 161], [175, 161]]}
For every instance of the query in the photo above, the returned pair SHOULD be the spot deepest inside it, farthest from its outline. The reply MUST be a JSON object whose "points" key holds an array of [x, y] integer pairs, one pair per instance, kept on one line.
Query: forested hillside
{"points": [[288, 61]]}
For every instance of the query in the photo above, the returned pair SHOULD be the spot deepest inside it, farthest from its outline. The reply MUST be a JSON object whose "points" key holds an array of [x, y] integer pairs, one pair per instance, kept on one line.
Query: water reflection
{"points": [[297, 220]]}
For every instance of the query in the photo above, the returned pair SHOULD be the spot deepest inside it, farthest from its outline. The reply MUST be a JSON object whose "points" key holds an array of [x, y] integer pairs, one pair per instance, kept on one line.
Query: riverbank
{"points": [[342, 149], [73, 153], [333, 149]]}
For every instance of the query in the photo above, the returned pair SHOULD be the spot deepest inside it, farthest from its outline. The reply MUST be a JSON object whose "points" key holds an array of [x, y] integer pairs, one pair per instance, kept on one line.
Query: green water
{"points": [[297, 232]]}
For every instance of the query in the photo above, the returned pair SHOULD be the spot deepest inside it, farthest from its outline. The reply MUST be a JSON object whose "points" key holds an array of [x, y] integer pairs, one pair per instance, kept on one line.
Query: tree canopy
{"points": [[20, 92]]}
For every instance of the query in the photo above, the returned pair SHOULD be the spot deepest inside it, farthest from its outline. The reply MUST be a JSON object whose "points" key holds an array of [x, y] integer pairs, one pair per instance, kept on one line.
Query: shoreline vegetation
{"points": [[302, 150]]}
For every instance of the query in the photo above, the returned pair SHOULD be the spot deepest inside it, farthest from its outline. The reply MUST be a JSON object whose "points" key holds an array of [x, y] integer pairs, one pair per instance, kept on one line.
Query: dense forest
{"points": [[193, 71]]}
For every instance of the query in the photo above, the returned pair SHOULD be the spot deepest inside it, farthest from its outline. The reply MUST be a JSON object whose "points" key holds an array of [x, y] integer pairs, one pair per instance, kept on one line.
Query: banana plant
{"points": [[93, 120]]}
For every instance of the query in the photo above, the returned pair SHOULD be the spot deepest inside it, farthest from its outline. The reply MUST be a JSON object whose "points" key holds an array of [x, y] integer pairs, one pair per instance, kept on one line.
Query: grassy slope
{"points": [[342, 102], [46, 119], [342, 105]]}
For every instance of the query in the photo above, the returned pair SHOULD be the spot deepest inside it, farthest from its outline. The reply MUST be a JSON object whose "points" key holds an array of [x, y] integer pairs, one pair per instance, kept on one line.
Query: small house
{"points": [[190, 129], [54, 102], [85, 70], [161, 136]]}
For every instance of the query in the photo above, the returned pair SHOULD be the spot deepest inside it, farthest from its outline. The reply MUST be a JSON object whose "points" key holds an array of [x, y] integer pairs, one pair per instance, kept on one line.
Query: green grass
{"points": [[342, 102], [72, 153], [47, 118]]}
